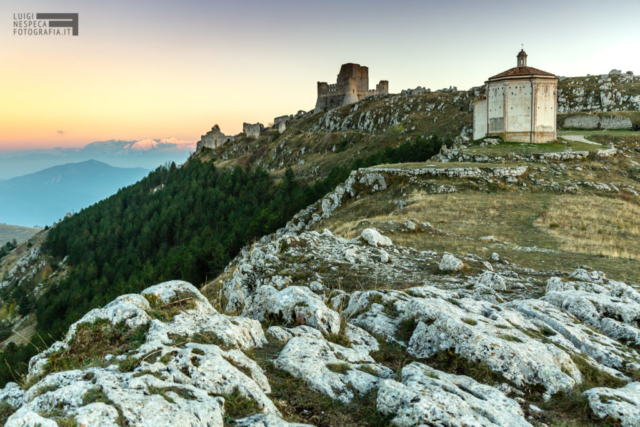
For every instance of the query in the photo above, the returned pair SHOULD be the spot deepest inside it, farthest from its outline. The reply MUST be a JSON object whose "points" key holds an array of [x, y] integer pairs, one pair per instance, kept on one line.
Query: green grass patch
{"points": [[92, 342], [182, 392], [339, 368], [511, 338], [450, 362], [237, 405], [6, 411], [340, 338], [298, 403], [406, 329], [97, 394], [166, 311]]}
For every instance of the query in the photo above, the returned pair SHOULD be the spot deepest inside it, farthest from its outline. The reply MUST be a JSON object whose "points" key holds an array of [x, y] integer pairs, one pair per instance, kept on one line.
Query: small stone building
{"points": [[252, 130], [352, 86], [213, 139], [519, 105]]}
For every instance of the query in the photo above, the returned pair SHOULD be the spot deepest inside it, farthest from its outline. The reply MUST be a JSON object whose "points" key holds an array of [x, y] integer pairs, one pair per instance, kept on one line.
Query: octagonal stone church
{"points": [[519, 105]]}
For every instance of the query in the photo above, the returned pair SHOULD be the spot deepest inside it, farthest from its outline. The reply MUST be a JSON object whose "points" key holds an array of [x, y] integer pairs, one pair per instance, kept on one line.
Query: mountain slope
{"points": [[45, 197]]}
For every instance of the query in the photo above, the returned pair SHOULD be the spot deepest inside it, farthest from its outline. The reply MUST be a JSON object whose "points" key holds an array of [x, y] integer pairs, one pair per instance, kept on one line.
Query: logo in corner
{"points": [[45, 24]]}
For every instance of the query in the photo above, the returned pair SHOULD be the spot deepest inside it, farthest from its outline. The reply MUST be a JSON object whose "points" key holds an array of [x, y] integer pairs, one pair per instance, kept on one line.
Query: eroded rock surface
{"points": [[622, 404], [348, 320], [427, 396]]}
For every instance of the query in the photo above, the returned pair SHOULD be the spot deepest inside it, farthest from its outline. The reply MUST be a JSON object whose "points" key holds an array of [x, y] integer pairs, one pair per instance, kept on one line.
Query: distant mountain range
{"points": [[44, 197], [145, 153]]}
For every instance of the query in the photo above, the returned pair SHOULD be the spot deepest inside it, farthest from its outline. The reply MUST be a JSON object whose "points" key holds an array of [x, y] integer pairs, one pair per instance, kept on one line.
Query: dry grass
{"points": [[509, 216], [466, 214], [595, 225]]}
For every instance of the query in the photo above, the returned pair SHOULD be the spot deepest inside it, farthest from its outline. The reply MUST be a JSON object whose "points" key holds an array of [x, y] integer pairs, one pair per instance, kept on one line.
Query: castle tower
{"points": [[350, 91], [351, 86], [522, 58]]}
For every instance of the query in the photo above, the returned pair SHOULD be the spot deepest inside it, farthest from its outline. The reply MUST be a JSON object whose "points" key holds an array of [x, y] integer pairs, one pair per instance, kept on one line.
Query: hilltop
{"points": [[315, 143]]}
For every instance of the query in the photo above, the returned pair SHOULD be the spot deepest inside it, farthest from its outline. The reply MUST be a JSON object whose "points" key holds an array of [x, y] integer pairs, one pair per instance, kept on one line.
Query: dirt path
{"points": [[578, 138]]}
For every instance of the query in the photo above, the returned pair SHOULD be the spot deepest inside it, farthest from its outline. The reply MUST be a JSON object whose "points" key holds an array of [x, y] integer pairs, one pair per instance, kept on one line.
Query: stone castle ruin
{"points": [[352, 86], [253, 130], [213, 139], [519, 105]]}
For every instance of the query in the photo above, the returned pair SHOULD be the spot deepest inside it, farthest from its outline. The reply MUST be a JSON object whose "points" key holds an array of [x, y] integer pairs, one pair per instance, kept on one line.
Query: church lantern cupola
{"points": [[522, 58]]}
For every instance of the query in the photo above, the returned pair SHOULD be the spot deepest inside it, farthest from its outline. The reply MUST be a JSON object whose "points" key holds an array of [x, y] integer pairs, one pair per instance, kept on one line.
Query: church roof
{"points": [[522, 71]]}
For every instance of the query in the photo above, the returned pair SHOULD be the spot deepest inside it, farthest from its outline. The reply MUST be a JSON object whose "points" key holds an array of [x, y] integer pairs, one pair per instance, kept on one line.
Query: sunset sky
{"points": [[160, 69]]}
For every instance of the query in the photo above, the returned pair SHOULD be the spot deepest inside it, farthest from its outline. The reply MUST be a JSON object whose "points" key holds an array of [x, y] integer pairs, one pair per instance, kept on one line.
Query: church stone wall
{"points": [[479, 119], [518, 107], [495, 98], [545, 107]]}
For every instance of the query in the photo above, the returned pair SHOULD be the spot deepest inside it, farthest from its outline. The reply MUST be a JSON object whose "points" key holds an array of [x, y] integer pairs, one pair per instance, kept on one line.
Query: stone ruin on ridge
{"points": [[352, 86]]}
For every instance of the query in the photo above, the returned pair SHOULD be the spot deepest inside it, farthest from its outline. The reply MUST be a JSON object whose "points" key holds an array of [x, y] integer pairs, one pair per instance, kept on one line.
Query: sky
{"points": [[160, 69]]}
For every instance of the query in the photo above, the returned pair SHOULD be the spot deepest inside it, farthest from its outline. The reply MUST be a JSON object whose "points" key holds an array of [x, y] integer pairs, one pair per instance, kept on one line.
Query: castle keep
{"points": [[352, 86], [519, 105]]}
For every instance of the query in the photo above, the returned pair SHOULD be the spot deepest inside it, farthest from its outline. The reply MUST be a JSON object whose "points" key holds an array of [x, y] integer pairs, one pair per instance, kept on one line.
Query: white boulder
{"points": [[622, 404], [450, 263], [374, 238]]}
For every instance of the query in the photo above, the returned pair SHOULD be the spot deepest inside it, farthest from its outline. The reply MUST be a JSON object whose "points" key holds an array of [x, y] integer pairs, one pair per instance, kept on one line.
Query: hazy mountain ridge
{"points": [[146, 153], [44, 197]]}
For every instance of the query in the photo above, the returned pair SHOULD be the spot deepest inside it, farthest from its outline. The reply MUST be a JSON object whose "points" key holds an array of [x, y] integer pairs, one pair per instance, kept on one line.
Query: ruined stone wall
{"points": [[252, 130], [213, 139], [352, 86], [597, 122], [382, 87]]}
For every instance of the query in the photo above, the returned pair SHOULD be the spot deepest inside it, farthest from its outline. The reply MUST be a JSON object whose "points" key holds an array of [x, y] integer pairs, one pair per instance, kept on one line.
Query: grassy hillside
{"points": [[10, 232], [314, 144], [556, 216]]}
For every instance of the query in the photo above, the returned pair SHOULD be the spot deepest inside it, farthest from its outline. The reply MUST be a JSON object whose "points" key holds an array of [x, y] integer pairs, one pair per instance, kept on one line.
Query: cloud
{"points": [[60, 132]]}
